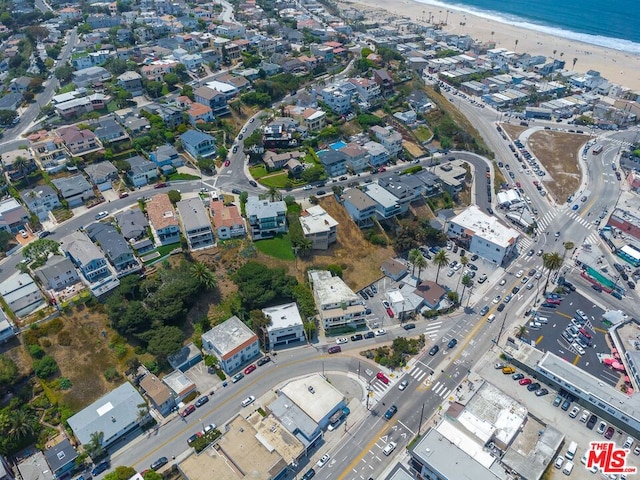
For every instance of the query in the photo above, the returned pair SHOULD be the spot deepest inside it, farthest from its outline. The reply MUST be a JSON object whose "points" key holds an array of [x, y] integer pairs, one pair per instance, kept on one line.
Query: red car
{"points": [[188, 411], [227, 163], [382, 169], [160, 185], [585, 333], [249, 369], [383, 378], [525, 381], [124, 195], [554, 301]]}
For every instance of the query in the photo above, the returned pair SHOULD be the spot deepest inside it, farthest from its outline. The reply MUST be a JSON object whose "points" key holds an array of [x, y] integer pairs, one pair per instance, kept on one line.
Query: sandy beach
{"points": [[618, 67]]}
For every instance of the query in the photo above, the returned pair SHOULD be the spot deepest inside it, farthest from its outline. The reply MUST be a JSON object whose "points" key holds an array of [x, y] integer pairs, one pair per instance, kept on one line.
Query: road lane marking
{"points": [[539, 339], [406, 428], [575, 360]]}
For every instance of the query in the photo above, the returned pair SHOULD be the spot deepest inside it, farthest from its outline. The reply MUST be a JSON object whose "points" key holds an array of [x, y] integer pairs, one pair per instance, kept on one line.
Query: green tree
{"points": [[260, 285], [121, 473], [7, 117], [464, 261], [174, 196], [21, 425], [421, 263], [274, 194], [164, 341], [204, 275], [8, 371], [171, 79], [40, 249], [94, 447], [84, 28], [45, 367], [154, 89], [151, 475], [466, 282], [552, 262], [440, 260], [64, 73], [304, 248], [413, 254]]}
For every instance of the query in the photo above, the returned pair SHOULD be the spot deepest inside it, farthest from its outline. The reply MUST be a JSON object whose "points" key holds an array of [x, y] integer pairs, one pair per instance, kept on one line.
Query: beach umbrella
{"points": [[615, 364], [608, 361], [627, 379]]}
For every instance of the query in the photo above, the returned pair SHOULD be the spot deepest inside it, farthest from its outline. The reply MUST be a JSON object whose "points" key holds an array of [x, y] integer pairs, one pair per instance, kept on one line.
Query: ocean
{"points": [[608, 23]]}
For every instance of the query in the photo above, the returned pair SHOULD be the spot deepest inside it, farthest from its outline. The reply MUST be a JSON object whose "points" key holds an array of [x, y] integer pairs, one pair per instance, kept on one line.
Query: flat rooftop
{"points": [[283, 316], [314, 395], [486, 226], [331, 290]]}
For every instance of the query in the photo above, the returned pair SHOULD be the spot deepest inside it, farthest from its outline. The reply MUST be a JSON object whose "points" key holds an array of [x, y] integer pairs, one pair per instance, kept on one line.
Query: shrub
{"points": [[64, 383], [111, 374], [35, 351], [64, 338], [45, 367], [221, 375], [45, 342], [205, 440]]}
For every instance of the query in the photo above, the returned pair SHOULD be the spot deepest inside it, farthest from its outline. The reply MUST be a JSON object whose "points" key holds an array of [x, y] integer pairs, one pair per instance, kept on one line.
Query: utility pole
{"points": [[421, 417]]}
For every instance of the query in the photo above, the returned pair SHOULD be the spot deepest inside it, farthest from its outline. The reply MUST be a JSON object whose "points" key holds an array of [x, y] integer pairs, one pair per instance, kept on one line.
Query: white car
{"points": [[386, 304], [559, 461], [519, 274], [307, 187], [574, 412], [457, 267], [341, 340], [403, 384], [101, 215], [578, 348], [503, 281], [391, 446], [323, 461], [248, 401], [210, 427], [601, 428], [381, 332], [497, 299]]}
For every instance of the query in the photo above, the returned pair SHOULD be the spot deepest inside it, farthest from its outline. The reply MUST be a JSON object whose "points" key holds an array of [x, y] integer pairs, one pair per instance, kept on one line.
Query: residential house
{"points": [[166, 156], [75, 190], [394, 269], [34, 466], [233, 343], [226, 220], [109, 131], [86, 256], [171, 116], [115, 414], [214, 99], [387, 204], [131, 82], [86, 77], [41, 200], [21, 294], [18, 164], [276, 161], [360, 206], [102, 174], [431, 293], [91, 59], [383, 78], [158, 393], [357, 157], [378, 155], [81, 105], [266, 219], [61, 458], [163, 221], [142, 171], [281, 133], [334, 162], [199, 113], [11, 101], [230, 30], [13, 216], [389, 138], [336, 99], [196, 224], [114, 246], [49, 151], [285, 326], [7, 332], [78, 142], [58, 273], [133, 224], [452, 176], [198, 144], [69, 14], [368, 91], [314, 119], [156, 70], [20, 85], [338, 306], [319, 227]]}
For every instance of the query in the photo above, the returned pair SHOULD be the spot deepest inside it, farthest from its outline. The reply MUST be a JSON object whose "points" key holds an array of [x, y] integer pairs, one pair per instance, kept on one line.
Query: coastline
{"points": [[616, 66]]}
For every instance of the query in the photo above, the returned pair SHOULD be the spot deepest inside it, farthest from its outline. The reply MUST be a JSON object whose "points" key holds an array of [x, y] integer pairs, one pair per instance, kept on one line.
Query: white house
{"points": [[286, 325], [233, 343]]}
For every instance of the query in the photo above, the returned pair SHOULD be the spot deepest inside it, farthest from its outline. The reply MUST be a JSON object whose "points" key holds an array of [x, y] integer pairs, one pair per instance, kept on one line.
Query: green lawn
{"points": [[422, 133], [258, 171], [278, 247], [279, 180], [183, 176], [69, 87]]}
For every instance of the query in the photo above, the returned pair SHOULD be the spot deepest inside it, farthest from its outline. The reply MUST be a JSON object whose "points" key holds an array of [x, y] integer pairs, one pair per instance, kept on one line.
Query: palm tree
{"points": [[464, 261], [575, 59], [516, 44], [440, 260], [413, 254], [274, 194], [20, 425], [204, 275], [22, 165], [420, 262], [552, 262], [143, 412], [466, 282], [94, 447], [305, 248]]}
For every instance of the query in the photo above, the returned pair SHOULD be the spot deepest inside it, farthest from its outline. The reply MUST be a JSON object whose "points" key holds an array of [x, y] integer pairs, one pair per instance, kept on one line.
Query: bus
{"points": [[597, 149]]}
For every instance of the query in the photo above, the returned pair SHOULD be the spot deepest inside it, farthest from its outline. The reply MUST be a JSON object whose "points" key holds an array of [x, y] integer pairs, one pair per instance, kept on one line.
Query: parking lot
{"points": [[548, 336], [543, 408]]}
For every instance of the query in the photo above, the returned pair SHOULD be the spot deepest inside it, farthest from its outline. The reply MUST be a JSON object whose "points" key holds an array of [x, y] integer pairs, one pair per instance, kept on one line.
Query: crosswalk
{"points": [[418, 373], [577, 218], [546, 219], [432, 329], [441, 390]]}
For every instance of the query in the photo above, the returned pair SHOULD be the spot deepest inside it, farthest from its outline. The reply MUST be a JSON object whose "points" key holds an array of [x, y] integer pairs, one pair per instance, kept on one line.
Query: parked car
{"points": [[356, 337], [237, 377], [248, 401], [409, 326], [524, 381], [101, 215], [264, 360], [517, 376], [542, 392], [249, 369], [323, 461], [309, 474], [201, 401], [99, 468], [188, 411], [159, 463]]}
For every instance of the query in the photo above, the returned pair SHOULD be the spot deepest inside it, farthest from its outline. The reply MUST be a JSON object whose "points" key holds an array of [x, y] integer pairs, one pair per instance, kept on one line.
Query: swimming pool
{"points": [[338, 145]]}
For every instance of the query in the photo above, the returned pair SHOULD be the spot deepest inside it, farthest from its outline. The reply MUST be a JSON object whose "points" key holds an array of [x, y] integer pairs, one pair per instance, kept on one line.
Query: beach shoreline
{"points": [[617, 66]]}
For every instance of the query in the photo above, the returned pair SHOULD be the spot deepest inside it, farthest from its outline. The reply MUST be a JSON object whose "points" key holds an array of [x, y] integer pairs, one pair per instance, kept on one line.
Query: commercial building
{"points": [[115, 415], [286, 325], [319, 227], [233, 343], [482, 234], [195, 224], [338, 306]]}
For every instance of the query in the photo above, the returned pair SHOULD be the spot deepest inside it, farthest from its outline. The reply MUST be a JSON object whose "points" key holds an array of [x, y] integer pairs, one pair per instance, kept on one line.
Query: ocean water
{"points": [[607, 23]]}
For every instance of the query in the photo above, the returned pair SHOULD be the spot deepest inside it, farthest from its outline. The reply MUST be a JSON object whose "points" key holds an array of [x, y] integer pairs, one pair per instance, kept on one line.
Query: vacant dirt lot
{"points": [[558, 153]]}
